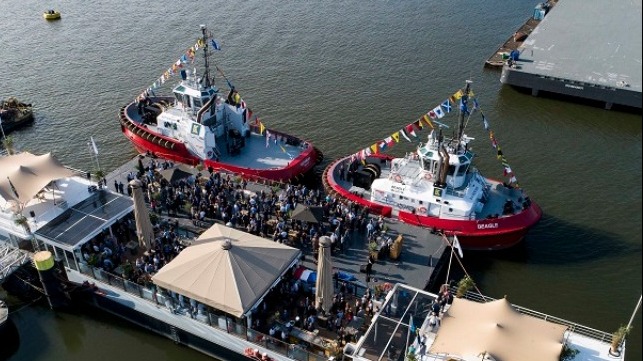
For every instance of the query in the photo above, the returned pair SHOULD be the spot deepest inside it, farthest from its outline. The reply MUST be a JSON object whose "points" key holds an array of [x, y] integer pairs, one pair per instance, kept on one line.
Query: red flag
{"points": [[409, 130]]}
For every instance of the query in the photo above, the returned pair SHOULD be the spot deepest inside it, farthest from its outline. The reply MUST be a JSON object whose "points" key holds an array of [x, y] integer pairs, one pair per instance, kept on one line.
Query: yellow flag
{"points": [[396, 137], [458, 95], [374, 148], [428, 120], [261, 128]]}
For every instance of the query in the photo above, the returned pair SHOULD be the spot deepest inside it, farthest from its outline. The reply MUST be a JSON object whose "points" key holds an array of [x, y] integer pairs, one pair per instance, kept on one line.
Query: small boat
{"points": [[437, 186], [199, 126], [51, 15], [14, 114]]}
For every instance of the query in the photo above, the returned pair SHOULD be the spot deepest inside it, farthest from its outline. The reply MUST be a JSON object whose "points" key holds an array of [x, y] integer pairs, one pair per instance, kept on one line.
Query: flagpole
{"points": [[4, 138], [450, 258]]}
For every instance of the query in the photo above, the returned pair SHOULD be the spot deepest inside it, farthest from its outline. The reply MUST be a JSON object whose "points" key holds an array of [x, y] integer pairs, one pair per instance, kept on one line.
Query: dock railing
{"points": [[218, 321]]}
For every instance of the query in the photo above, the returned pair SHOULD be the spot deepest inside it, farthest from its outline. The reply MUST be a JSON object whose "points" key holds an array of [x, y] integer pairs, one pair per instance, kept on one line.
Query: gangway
{"points": [[11, 258]]}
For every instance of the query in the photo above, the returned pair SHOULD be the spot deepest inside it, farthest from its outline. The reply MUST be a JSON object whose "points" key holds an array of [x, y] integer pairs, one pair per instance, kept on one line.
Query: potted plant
{"points": [[373, 249], [568, 353], [7, 142], [617, 339], [22, 221], [465, 284], [100, 175]]}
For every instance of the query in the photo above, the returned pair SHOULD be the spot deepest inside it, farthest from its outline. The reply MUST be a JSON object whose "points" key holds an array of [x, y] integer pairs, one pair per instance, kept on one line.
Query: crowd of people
{"points": [[266, 212]]}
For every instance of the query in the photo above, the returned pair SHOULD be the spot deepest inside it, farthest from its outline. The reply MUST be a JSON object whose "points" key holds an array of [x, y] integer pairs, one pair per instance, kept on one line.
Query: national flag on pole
{"points": [[215, 45], [94, 145], [463, 106], [456, 246]]}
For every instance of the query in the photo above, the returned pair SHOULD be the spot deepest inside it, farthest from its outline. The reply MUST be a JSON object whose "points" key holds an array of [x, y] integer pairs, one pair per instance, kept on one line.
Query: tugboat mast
{"points": [[206, 75], [463, 103]]}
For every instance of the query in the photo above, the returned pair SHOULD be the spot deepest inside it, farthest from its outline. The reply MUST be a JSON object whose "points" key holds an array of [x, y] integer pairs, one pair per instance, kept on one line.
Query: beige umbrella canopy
{"points": [[23, 175], [495, 328], [144, 229], [227, 269], [324, 285]]}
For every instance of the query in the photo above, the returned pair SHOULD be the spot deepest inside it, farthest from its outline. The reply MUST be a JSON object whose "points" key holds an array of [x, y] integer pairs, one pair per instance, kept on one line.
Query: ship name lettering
{"points": [[487, 225]]}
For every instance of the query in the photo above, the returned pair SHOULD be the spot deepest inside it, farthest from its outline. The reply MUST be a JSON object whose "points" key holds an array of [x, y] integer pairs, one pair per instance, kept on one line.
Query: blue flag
{"points": [[215, 45], [446, 105], [463, 106]]}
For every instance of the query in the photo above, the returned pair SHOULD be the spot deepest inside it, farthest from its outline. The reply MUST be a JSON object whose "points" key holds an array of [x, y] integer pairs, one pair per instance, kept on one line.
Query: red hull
{"points": [[145, 141], [485, 234]]}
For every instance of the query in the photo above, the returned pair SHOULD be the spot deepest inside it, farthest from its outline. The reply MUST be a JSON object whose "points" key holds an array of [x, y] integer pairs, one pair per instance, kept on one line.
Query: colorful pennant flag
{"points": [[404, 135], [428, 121], [438, 112], [409, 130], [396, 137], [446, 105], [261, 127]]}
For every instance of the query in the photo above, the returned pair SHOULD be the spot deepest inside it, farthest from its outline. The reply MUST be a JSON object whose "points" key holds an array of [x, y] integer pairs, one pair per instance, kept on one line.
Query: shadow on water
{"points": [[553, 241], [571, 99], [10, 339]]}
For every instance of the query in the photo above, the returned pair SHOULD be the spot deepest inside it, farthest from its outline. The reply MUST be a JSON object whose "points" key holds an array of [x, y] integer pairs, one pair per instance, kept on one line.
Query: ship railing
{"points": [[571, 326], [218, 321]]}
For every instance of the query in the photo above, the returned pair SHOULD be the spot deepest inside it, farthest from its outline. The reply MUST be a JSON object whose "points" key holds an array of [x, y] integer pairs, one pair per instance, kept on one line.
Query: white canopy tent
{"points": [[496, 329], [24, 175]]}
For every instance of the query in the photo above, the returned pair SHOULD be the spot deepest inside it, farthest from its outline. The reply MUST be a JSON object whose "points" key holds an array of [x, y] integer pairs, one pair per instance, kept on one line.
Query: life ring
{"points": [[397, 178], [422, 210], [428, 176]]}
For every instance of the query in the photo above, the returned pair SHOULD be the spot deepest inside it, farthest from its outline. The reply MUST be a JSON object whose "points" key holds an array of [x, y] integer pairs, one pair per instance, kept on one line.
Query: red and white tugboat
{"points": [[437, 186], [197, 125]]}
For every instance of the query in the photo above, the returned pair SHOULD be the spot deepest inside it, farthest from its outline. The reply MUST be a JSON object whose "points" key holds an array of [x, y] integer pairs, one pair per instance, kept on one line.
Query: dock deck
{"points": [[496, 60], [586, 49], [418, 265]]}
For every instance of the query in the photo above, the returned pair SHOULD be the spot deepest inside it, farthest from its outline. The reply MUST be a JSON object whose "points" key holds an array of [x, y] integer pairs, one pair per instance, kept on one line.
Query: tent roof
{"points": [[470, 328], [227, 269], [23, 175]]}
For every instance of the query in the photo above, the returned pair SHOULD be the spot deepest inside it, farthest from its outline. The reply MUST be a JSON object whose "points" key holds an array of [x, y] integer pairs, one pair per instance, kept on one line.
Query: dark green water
{"points": [[344, 75]]}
